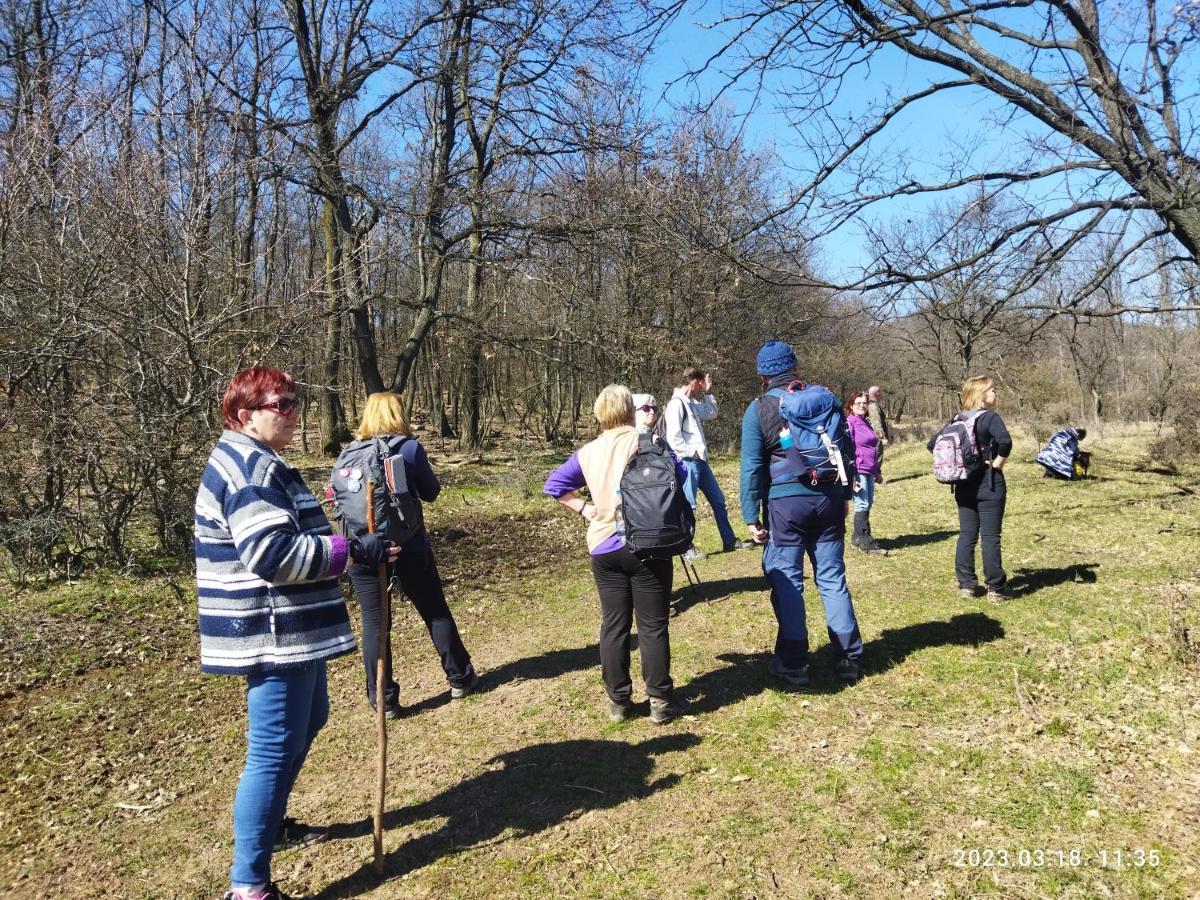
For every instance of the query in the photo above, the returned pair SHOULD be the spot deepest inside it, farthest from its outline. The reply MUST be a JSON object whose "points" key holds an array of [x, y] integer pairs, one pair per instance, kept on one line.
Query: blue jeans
{"points": [[700, 475], [784, 568], [286, 710], [865, 495]]}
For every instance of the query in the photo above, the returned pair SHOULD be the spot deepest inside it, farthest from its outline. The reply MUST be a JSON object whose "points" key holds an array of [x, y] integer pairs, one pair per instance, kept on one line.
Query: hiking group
{"points": [[268, 561]]}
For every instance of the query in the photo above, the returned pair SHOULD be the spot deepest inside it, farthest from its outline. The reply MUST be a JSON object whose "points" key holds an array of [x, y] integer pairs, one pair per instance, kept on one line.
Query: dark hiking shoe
{"points": [[466, 689], [970, 592], [797, 677], [663, 710], [270, 892], [738, 545], [618, 712], [999, 596], [293, 835], [392, 710], [847, 670]]}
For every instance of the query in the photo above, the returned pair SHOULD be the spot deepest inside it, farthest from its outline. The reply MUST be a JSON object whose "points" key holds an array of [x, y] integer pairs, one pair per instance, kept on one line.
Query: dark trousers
{"points": [[417, 574], [980, 519], [629, 586]]}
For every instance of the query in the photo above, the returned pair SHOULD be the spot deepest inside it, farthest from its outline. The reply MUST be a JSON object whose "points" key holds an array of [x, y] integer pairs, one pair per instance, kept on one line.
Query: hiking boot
{"points": [[270, 892], [847, 670], [999, 596], [663, 710], [457, 693], [797, 677], [293, 835], [971, 592], [618, 712], [738, 545], [693, 554]]}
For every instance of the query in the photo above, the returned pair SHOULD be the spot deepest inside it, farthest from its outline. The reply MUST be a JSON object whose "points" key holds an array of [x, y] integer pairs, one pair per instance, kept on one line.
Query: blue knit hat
{"points": [[775, 358]]}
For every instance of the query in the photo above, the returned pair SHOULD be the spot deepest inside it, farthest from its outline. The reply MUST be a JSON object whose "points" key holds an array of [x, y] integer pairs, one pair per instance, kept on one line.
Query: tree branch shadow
{"points": [[520, 793]]}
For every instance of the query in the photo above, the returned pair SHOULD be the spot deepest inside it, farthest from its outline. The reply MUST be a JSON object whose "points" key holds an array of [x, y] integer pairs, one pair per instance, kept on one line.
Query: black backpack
{"points": [[398, 514], [658, 519]]}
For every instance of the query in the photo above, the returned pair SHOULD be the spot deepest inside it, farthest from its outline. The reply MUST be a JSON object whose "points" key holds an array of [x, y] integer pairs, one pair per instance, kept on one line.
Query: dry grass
{"points": [[1061, 720]]}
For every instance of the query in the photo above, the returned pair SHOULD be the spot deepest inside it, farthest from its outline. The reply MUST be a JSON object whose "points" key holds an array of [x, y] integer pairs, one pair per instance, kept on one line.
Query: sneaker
{"points": [[663, 710], [970, 593], [293, 835], [457, 693], [797, 677], [999, 596], [270, 892], [738, 545], [847, 670], [693, 554], [618, 712]]}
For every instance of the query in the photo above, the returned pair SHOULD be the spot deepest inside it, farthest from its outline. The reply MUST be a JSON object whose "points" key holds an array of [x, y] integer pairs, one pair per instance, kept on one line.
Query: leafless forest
{"points": [[487, 205]]}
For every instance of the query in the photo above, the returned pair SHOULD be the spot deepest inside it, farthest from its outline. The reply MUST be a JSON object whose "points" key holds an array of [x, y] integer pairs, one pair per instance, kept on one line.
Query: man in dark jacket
{"points": [[801, 518]]}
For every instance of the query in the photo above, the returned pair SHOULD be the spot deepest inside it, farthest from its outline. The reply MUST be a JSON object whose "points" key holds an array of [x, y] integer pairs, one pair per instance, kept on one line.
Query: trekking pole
{"points": [[385, 627]]}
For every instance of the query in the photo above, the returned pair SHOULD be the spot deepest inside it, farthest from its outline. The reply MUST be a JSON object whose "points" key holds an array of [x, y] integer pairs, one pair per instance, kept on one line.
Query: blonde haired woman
{"points": [[415, 569], [981, 499], [627, 585]]}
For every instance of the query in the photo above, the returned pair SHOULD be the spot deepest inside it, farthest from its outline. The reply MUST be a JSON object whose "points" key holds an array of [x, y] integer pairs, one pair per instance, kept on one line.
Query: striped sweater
{"points": [[267, 565]]}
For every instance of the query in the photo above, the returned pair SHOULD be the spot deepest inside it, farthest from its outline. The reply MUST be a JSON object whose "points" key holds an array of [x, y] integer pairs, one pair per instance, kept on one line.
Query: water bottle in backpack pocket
{"points": [[657, 519], [398, 513], [816, 444]]}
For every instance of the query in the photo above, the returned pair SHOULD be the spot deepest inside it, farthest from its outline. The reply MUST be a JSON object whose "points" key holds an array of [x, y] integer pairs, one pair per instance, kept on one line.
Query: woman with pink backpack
{"points": [[981, 492]]}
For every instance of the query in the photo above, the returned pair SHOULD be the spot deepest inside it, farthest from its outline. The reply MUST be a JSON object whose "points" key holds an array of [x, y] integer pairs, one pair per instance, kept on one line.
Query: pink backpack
{"points": [[956, 456]]}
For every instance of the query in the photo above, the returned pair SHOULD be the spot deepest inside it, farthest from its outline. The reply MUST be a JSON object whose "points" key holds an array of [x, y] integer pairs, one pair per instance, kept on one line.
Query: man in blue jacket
{"points": [[800, 518]]}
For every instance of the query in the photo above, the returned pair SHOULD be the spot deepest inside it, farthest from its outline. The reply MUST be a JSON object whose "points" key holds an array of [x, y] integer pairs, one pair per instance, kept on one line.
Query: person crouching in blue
{"points": [[801, 518]]}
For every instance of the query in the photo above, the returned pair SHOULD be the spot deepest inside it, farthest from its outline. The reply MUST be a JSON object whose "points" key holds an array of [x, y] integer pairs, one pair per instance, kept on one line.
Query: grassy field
{"points": [[1042, 747]]}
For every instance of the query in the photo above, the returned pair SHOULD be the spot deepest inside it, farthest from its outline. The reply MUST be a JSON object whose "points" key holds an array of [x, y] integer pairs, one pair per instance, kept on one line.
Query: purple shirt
{"points": [[866, 445], [569, 477]]}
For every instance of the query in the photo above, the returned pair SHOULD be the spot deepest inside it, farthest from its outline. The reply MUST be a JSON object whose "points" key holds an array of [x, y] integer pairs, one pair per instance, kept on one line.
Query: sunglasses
{"points": [[648, 408], [285, 407]]}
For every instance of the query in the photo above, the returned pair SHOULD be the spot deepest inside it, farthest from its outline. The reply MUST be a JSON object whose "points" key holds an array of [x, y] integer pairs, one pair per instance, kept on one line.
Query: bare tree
{"points": [[1105, 89]]}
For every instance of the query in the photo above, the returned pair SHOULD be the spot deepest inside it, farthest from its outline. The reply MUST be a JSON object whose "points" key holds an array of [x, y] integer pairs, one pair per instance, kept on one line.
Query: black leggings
{"points": [[418, 577], [629, 586], [981, 520]]}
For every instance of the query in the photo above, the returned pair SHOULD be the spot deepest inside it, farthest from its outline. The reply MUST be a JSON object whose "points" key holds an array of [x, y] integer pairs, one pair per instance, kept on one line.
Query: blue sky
{"points": [[927, 133]]}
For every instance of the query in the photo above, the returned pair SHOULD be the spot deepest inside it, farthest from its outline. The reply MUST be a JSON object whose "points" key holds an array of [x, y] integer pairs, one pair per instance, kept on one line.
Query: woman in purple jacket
{"points": [[866, 458]]}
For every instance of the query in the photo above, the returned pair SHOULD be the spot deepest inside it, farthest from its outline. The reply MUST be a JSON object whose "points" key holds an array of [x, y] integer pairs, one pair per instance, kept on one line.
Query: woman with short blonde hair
{"points": [[614, 407], [385, 419], [627, 584]]}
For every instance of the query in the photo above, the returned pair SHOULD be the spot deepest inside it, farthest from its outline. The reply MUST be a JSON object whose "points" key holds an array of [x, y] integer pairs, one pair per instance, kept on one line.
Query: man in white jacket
{"points": [[691, 404]]}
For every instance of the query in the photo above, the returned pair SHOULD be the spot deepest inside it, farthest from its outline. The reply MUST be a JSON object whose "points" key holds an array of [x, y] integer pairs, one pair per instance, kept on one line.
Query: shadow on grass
{"points": [[1028, 581], [914, 540], [888, 481], [686, 596], [521, 793], [746, 674]]}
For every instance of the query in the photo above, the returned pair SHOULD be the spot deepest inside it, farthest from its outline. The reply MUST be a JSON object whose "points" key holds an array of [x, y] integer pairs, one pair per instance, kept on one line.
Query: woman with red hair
{"points": [[271, 611]]}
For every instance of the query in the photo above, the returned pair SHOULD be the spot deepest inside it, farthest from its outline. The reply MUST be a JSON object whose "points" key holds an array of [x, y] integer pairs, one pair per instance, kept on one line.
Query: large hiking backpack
{"points": [[659, 521], [398, 514], [956, 455], [817, 440]]}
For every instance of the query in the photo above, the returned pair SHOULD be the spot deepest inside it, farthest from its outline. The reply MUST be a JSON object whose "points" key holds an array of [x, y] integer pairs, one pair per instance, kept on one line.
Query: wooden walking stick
{"points": [[385, 628]]}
